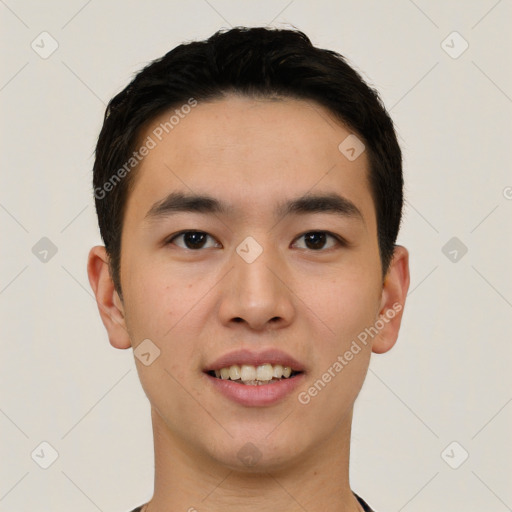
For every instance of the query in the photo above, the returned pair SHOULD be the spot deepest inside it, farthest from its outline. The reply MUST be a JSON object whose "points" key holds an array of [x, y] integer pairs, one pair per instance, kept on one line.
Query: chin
{"points": [[257, 454]]}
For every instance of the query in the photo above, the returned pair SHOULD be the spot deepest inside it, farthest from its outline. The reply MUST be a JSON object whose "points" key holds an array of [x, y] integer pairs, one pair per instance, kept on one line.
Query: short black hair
{"points": [[254, 62]]}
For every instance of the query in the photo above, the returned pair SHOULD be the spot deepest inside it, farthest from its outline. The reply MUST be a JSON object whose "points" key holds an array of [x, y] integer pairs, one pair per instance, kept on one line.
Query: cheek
{"points": [[157, 299], [346, 304], [161, 307], [340, 359], [345, 307], [167, 308]]}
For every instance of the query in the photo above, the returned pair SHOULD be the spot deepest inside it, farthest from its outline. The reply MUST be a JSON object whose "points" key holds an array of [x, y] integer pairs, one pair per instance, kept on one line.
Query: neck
{"points": [[187, 480]]}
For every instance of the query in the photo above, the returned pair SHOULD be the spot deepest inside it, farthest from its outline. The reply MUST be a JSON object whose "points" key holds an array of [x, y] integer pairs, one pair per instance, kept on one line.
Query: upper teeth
{"points": [[247, 372]]}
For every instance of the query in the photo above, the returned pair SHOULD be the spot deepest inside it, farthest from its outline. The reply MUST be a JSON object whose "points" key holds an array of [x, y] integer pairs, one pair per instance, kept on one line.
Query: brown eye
{"points": [[192, 240], [318, 240]]}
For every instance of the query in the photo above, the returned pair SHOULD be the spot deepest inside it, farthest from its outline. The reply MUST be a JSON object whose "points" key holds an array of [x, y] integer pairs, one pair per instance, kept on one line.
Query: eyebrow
{"points": [[178, 202]]}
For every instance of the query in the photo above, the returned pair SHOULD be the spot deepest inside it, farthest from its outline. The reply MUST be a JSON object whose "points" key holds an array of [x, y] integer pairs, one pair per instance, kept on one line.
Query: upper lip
{"points": [[240, 357]]}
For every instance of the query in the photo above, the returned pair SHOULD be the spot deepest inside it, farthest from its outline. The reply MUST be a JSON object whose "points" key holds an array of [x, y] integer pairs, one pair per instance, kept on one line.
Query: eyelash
{"points": [[341, 242]]}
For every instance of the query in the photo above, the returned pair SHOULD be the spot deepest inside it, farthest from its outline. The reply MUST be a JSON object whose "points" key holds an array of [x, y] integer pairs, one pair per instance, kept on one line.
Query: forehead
{"points": [[249, 152]]}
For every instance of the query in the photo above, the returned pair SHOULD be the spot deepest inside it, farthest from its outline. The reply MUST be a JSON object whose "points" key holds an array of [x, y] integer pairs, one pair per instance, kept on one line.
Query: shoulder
{"points": [[363, 503]]}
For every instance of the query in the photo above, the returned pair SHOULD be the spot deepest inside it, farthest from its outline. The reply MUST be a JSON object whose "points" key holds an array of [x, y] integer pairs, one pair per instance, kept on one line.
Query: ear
{"points": [[394, 292], [109, 303]]}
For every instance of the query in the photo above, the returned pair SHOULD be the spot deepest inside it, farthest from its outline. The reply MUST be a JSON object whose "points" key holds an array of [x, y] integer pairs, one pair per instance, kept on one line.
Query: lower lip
{"points": [[254, 396]]}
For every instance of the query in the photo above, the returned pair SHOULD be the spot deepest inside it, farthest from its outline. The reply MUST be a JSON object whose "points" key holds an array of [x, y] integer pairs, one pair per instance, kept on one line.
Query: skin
{"points": [[198, 304]]}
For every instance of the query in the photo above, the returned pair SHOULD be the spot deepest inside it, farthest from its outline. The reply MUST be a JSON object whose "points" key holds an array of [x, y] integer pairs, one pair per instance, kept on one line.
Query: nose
{"points": [[257, 294]]}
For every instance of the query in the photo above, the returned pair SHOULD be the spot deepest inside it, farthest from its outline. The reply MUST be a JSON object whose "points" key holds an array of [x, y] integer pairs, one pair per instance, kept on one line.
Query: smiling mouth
{"points": [[250, 375]]}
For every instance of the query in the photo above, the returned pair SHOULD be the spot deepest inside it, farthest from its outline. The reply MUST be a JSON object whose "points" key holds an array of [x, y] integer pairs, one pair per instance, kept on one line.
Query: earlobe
{"points": [[109, 304], [394, 293]]}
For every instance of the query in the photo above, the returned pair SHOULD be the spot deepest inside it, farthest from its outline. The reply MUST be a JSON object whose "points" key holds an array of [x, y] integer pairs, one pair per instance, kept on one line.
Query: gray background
{"points": [[447, 379]]}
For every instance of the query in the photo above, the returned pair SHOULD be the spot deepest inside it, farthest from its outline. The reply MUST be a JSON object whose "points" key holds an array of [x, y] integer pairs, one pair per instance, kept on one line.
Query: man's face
{"points": [[254, 276]]}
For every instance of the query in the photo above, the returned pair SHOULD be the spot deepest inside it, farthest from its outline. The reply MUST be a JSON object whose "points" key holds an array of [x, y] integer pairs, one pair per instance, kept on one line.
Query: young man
{"points": [[249, 194]]}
